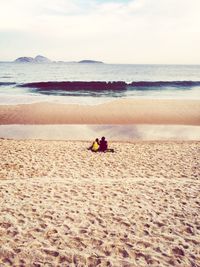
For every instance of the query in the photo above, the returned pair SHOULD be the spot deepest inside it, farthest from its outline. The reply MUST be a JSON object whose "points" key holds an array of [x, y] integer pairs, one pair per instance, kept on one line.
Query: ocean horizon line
{"points": [[104, 62]]}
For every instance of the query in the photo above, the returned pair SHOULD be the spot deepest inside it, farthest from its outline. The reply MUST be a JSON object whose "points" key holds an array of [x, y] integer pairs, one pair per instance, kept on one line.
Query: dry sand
{"points": [[62, 205], [126, 111]]}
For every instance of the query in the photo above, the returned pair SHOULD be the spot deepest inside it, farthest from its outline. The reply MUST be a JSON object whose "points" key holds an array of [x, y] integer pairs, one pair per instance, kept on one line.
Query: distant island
{"points": [[37, 59], [90, 61], [42, 59]]}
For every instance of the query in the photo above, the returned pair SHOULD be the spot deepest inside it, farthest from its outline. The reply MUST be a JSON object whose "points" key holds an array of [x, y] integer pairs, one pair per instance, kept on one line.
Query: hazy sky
{"points": [[115, 31]]}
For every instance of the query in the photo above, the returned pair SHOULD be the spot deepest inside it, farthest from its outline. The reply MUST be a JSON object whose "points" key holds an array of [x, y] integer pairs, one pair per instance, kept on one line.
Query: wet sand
{"points": [[112, 132], [126, 111], [62, 205]]}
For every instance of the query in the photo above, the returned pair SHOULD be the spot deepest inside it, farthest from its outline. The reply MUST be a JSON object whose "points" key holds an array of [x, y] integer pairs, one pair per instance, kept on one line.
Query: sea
{"points": [[92, 84]]}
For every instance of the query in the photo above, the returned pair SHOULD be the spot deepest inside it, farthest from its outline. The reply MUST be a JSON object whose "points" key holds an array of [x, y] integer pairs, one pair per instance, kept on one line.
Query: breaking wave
{"points": [[114, 86]]}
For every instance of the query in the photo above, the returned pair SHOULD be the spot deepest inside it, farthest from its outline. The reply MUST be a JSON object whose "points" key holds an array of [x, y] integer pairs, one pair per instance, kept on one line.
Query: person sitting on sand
{"points": [[95, 146], [103, 146]]}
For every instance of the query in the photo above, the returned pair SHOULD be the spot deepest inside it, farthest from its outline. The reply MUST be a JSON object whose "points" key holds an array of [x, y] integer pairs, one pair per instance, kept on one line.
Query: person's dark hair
{"points": [[103, 138], [97, 140]]}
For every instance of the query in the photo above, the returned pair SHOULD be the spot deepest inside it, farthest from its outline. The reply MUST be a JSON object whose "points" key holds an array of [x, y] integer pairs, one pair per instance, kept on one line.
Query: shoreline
{"points": [[151, 141], [136, 132], [123, 111]]}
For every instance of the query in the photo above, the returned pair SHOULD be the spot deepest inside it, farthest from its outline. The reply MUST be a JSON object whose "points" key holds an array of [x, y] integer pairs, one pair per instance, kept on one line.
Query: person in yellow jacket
{"points": [[95, 146]]}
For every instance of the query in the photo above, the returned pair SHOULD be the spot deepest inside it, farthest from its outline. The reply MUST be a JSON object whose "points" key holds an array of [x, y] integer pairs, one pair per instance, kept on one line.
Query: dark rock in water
{"points": [[90, 61], [37, 59], [24, 60]]}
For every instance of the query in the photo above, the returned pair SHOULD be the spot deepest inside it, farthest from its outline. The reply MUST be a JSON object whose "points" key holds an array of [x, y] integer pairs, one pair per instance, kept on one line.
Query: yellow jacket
{"points": [[95, 146]]}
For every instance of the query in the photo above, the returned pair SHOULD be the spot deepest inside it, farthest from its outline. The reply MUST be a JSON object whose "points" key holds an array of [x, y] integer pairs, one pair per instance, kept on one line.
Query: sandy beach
{"points": [[124, 111], [99, 133], [62, 205]]}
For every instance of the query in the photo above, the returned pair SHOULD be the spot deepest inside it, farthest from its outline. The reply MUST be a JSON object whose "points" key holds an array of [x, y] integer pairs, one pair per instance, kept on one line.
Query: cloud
{"points": [[137, 31]]}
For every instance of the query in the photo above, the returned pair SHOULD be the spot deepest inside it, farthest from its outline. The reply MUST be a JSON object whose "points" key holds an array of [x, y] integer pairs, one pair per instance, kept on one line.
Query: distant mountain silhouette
{"points": [[42, 59], [24, 60], [90, 61], [37, 59]]}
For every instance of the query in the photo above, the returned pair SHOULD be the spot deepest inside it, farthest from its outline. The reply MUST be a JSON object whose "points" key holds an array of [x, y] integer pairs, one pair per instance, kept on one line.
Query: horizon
{"points": [[117, 32], [107, 63], [79, 60]]}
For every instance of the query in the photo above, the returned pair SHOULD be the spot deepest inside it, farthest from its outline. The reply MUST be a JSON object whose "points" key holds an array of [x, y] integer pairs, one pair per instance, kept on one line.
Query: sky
{"points": [[113, 31]]}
